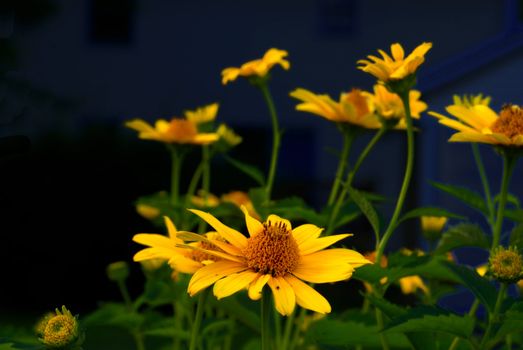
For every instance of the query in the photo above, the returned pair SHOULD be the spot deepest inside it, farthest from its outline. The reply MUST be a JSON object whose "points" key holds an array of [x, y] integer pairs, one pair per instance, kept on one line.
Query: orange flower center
{"points": [[273, 251], [510, 121], [359, 102], [182, 130]]}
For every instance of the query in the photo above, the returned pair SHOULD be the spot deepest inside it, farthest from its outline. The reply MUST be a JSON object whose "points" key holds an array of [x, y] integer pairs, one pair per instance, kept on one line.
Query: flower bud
{"points": [[118, 271], [147, 211], [61, 331], [506, 265], [431, 226]]}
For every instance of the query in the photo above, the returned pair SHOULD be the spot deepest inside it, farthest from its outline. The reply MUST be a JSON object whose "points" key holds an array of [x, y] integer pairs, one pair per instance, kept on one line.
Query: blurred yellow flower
{"points": [[396, 67], [433, 223], [479, 123], [389, 105], [277, 255], [147, 211], [228, 135], [353, 107], [177, 130], [61, 331], [482, 270], [410, 284], [240, 198], [258, 67], [185, 260], [203, 114], [202, 200]]}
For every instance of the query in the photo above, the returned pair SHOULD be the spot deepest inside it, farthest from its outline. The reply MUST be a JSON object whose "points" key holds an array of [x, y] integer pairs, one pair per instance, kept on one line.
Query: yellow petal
{"points": [[253, 226], [205, 139], [471, 137], [230, 74], [209, 274], [154, 253], [171, 228], [154, 240], [307, 297], [284, 297], [275, 219], [255, 289], [397, 52], [305, 232], [233, 283], [139, 125], [231, 235], [183, 264], [314, 245], [226, 247]]}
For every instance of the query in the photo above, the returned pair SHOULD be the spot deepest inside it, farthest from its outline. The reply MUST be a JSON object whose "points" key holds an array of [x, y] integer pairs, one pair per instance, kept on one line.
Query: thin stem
{"points": [[176, 167], [297, 330], [406, 180], [206, 182], [472, 313], [191, 190], [493, 318], [484, 182], [508, 167], [379, 320], [276, 138], [350, 178], [342, 165], [265, 320], [178, 323], [277, 328], [136, 333], [289, 323], [198, 319]]}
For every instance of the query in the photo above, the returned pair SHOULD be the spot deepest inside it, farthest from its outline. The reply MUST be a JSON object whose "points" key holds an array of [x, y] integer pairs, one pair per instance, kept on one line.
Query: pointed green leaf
{"points": [[515, 215], [366, 208], [471, 198], [248, 169], [478, 285], [462, 235], [512, 322], [429, 211], [371, 273], [516, 237]]}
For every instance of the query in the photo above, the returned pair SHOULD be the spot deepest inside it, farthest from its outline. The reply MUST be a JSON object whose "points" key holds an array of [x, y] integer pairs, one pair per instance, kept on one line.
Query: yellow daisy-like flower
{"points": [[147, 211], [240, 198], [228, 135], [277, 255], [184, 260], [259, 67], [201, 200], [433, 223], [354, 107], [389, 105], [396, 67], [479, 123], [203, 114], [410, 284], [180, 131]]}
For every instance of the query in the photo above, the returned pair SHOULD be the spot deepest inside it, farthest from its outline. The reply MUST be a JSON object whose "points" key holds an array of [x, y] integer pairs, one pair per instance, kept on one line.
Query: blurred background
{"points": [[72, 72]]}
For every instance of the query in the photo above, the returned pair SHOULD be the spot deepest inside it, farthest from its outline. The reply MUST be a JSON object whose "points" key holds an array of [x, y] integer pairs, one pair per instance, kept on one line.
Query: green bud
{"points": [[118, 271]]}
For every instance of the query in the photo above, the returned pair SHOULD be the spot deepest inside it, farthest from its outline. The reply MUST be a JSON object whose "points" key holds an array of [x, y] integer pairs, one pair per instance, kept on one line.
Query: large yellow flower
{"points": [[479, 123], [184, 260], [277, 255], [396, 67], [389, 105], [259, 67], [177, 130], [203, 114], [353, 107]]}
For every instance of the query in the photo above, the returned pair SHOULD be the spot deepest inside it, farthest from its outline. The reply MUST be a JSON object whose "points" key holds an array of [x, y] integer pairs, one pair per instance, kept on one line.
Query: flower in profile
{"points": [[184, 260], [478, 123], [431, 226], [240, 198], [147, 211], [506, 264], [205, 200], [354, 107], [177, 131], [277, 255], [228, 135], [257, 68], [390, 107], [411, 284], [203, 114], [396, 67], [61, 330]]}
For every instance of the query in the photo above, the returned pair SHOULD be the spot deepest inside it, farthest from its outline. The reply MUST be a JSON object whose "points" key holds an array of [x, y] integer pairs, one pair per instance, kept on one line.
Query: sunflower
{"points": [[177, 130], [203, 114], [258, 67], [396, 67], [354, 107], [479, 123], [277, 255], [184, 260], [389, 105]]}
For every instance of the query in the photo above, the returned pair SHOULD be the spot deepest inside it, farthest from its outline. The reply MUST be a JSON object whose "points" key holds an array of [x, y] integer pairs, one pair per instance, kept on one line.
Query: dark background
{"points": [[72, 72]]}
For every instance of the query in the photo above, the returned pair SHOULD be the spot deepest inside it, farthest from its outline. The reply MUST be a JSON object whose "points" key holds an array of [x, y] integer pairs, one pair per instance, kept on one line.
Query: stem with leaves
{"points": [[348, 137]]}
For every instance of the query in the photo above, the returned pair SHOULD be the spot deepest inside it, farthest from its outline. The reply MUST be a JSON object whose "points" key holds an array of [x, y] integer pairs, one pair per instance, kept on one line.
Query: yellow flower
{"points": [[506, 264], [389, 105], [471, 100], [411, 284], [482, 269], [205, 201], [203, 114], [479, 123], [228, 135], [431, 226], [277, 255], [353, 107], [185, 260], [259, 67], [396, 67], [177, 130], [61, 330], [147, 211], [240, 198]]}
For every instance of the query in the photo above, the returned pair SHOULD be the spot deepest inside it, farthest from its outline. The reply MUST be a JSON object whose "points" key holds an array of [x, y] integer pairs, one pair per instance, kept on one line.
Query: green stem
{"points": [[206, 182], [191, 190], [493, 318], [176, 167], [276, 139], [348, 136], [472, 313], [265, 320], [484, 182], [350, 178], [136, 333], [406, 180], [277, 328], [289, 323], [198, 319], [297, 330], [379, 320], [508, 167], [178, 323]]}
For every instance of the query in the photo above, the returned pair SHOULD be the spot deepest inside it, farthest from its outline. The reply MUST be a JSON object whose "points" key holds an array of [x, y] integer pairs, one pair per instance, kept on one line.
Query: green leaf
{"points": [[248, 169], [114, 314], [516, 237], [471, 198], [432, 319], [515, 215], [366, 208], [427, 266], [371, 273], [348, 333], [241, 313], [478, 285], [429, 211], [167, 332], [462, 235], [511, 322]]}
